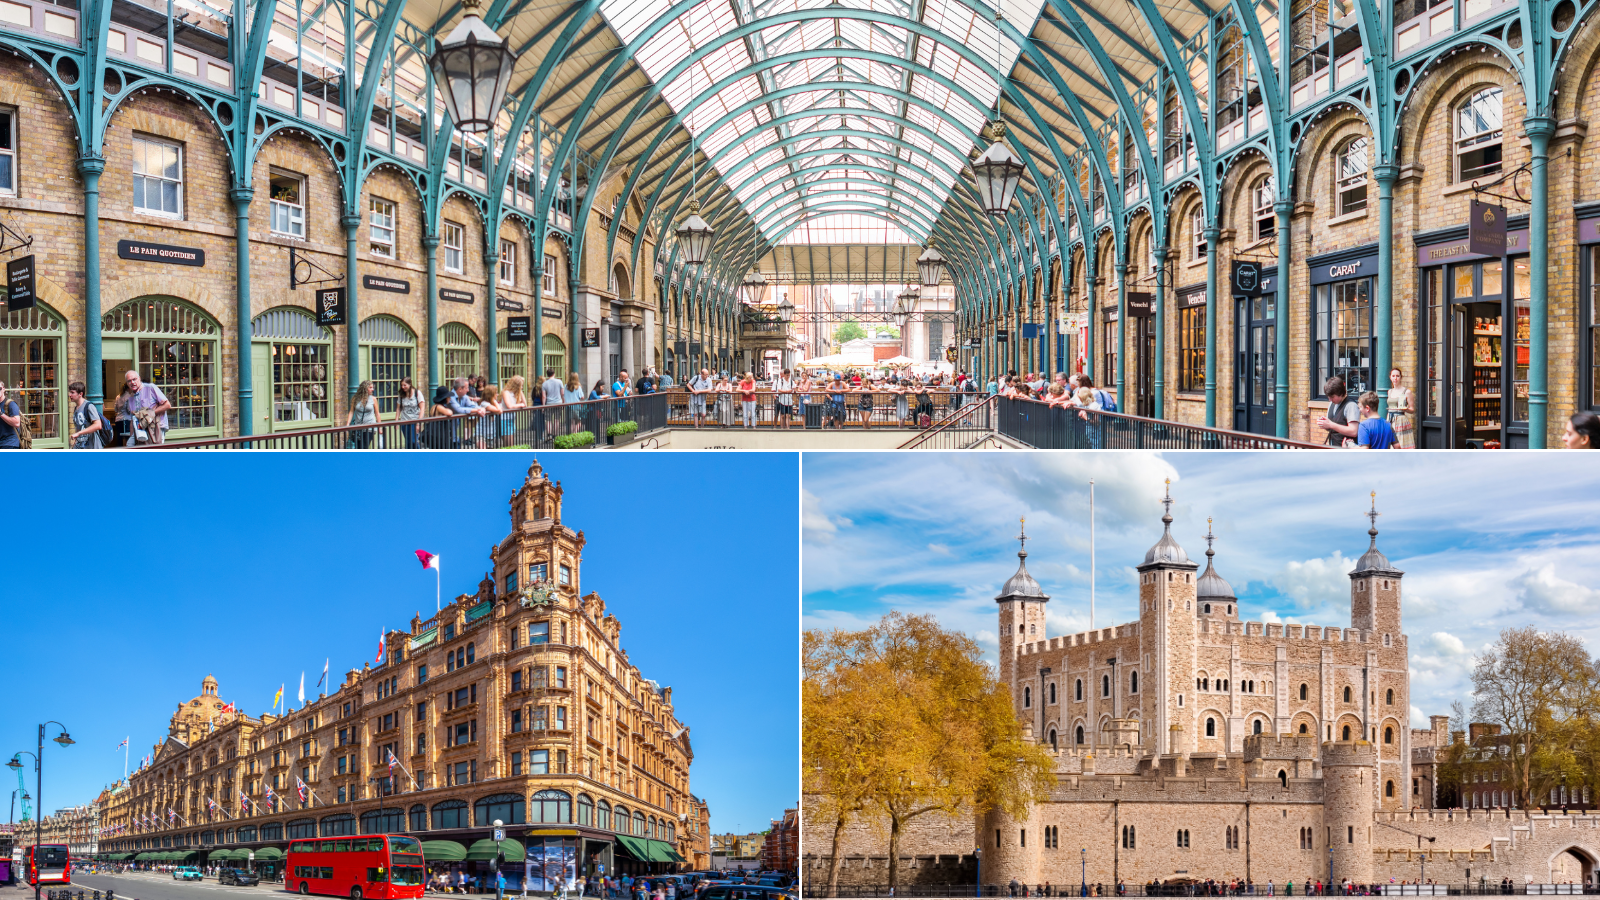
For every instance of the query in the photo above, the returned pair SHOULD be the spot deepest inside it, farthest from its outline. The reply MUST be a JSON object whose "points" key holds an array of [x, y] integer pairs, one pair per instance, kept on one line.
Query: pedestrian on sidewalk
{"points": [[86, 431]]}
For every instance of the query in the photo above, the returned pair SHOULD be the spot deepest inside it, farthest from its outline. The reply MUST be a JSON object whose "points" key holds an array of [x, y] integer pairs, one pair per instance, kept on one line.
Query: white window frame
{"points": [[508, 262], [1265, 221], [549, 275], [1351, 175], [294, 213], [8, 153], [1197, 228], [1471, 142], [139, 143], [379, 210], [453, 237]]}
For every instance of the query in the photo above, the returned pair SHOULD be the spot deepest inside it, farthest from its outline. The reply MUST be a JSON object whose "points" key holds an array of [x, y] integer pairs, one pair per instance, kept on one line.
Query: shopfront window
{"points": [[458, 349], [550, 806], [1592, 326], [1519, 341], [1111, 341], [174, 347], [30, 366], [513, 356], [1435, 370], [1192, 342], [1341, 335], [552, 864], [299, 368], [555, 356], [388, 349]]}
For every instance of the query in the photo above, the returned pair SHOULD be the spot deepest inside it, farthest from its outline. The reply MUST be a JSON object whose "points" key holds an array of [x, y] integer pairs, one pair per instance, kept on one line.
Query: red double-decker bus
{"points": [[48, 864], [378, 866]]}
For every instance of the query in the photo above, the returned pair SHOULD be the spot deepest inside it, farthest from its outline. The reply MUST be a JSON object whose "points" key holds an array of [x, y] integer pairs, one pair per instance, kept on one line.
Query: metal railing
{"points": [[1215, 889], [1047, 427], [815, 409], [958, 430], [560, 426]]}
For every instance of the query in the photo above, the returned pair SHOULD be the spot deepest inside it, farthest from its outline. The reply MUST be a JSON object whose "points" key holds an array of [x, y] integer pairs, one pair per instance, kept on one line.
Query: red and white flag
{"points": [[380, 645], [429, 560]]}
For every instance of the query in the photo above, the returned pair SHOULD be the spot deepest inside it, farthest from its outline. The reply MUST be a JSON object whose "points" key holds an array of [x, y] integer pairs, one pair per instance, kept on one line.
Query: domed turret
{"points": [[1211, 585], [1166, 550], [1021, 606], [1373, 561]]}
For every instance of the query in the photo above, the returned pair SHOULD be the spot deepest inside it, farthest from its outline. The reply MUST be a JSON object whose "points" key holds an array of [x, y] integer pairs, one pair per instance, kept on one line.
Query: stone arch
{"points": [[164, 126], [1080, 732], [1237, 194], [1258, 723], [1573, 860], [1581, 51], [1218, 730], [1309, 722], [621, 281], [1389, 737], [1186, 201], [1448, 84], [1351, 723], [1314, 180], [190, 290]]}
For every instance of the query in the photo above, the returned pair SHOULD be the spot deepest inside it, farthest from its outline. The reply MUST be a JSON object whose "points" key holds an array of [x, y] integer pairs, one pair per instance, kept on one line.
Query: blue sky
{"points": [[130, 577], [1487, 540]]}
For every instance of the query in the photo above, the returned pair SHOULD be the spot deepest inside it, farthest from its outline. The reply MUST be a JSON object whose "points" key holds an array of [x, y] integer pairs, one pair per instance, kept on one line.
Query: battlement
{"points": [[1082, 638], [1327, 634], [1349, 753], [1280, 746]]}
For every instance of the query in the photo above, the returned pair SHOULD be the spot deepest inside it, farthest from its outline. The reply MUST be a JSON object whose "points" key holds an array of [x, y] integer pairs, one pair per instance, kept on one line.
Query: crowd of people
{"points": [[1237, 887]]}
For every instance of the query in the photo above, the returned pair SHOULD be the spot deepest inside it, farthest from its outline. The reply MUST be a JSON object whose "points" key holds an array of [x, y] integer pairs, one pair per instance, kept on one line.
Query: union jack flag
{"points": [[243, 801], [300, 788], [211, 804], [392, 763]]}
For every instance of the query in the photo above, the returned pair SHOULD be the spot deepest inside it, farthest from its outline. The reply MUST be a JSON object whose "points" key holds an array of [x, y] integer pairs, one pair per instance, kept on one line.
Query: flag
{"points": [[429, 560], [392, 761], [324, 678], [278, 698], [300, 788], [302, 688], [380, 645], [123, 744]]}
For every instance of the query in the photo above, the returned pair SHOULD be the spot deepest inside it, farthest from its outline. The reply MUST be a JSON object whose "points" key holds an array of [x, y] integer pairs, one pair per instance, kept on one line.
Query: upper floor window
{"points": [[1261, 197], [508, 263], [157, 177], [566, 574], [1197, 233], [549, 275], [1352, 169], [381, 228], [1478, 135], [288, 204], [451, 236], [8, 151]]}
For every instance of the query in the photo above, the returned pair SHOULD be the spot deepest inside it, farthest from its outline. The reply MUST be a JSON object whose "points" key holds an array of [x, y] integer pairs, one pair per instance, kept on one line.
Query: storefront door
{"points": [[1144, 344], [1475, 389], [1255, 363]]}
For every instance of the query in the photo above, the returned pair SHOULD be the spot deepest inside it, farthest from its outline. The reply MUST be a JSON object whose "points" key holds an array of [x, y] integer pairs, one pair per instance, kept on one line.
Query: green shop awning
{"points": [[661, 851], [225, 855], [443, 851], [638, 848], [183, 855], [268, 853], [142, 855], [486, 850]]}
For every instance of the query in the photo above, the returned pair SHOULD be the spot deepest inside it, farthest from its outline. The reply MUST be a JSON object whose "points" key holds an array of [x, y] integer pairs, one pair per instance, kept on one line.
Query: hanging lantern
{"points": [[785, 309], [931, 265], [998, 172], [694, 236], [755, 288], [473, 66], [903, 305]]}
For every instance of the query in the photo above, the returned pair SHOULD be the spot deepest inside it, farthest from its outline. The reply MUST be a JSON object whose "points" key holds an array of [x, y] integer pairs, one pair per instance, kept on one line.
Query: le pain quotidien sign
{"points": [[380, 283], [144, 251]]}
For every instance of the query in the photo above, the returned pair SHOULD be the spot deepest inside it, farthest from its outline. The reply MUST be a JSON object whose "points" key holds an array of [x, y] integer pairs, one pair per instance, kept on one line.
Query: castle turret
{"points": [[1213, 594], [1011, 846], [1348, 785], [1167, 626], [1021, 613], [1375, 588]]}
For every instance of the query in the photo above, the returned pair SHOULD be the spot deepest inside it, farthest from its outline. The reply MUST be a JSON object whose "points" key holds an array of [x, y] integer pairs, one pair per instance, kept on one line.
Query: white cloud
{"points": [[1541, 589], [940, 549], [815, 524], [1316, 582], [1446, 644], [1270, 617]]}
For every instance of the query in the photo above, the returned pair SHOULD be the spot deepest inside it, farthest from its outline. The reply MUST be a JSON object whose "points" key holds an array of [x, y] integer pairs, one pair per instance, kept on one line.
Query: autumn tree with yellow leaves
{"points": [[904, 719]]}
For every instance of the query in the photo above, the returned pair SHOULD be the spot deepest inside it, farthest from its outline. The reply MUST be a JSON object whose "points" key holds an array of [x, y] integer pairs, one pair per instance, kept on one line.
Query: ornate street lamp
{"points": [[903, 304], [755, 288], [785, 309], [998, 172], [931, 265], [473, 66], [694, 236]]}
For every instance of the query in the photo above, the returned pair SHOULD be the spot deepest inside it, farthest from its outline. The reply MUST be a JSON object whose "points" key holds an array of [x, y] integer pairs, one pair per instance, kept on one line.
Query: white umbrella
{"points": [[896, 362]]}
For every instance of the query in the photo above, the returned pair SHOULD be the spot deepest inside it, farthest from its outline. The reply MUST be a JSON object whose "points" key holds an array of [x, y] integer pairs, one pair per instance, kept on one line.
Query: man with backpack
{"points": [[90, 428], [12, 429], [1107, 402]]}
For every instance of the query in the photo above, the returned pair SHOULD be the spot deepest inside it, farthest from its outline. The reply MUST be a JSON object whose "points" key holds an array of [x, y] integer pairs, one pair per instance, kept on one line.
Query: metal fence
{"points": [[961, 429], [1047, 427], [564, 426], [813, 409], [1193, 890]]}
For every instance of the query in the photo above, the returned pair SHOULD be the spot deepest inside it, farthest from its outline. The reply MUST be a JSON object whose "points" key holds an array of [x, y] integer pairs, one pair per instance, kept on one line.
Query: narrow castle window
{"points": [[1105, 685], [1027, 697], [1388, 696], [1079, 735], [1388, 789], [1078, 691], [1258, 726], [1303, 692], [1211, 727], [1388, 735], [1052, 693], [1347, 695], [1283, 776], [1133, 682], [1346, 732]]}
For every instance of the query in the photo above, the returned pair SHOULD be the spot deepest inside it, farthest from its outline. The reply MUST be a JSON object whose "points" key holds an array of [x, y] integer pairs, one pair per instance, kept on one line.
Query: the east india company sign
{"points": [[161, 253]]}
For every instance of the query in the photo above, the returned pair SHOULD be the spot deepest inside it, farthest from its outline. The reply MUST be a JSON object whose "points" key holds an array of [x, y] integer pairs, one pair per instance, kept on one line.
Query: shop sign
{"points": [[1190, 299], [1461, 251], [380, 283], [505, 305], [1246, 278], [457, 296], [20, 287], [549, 313], [1002, 337], [591, 337], [1589, 231], [1141, 305], [695, 348], [1111, 313], [162, 253], [1344, 270], [519, 329], [330, 306], [1030, 331], [680, 348], [1486, 229], [1072, 322]]}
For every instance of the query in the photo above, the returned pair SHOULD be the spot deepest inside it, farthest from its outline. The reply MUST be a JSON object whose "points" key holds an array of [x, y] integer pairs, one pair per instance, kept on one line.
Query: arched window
{"points": [[273, 831], [650, 827], [1388, 789], [292, 357], [471, 651], [513, 357], [1304, 691], [1478, 135], [1105, 685], [458, 351], [638, 822], [388, 349], [174, 346], [1206, 609], [1261, 199], [551, 806], [1133, 682], [1351, 169], [1052, 693], [1346, 733], [555, 355], [1027, 697], [1388, 735], [1258, 726], [1388, 697], [508, 808], [450, 814], [623, 820], [299, 828], [1347, 694], [382, 821], [602, 813], [1211, 727], [1078, 735], [341, 824], [1077, 692], [419, 818], [1283, 775], [32, 365], [1053, 739]]}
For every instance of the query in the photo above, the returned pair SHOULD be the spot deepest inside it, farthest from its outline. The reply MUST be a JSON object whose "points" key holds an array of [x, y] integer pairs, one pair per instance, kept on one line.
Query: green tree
{"points": [[848, 330], [1540, 688], [906, 718]]}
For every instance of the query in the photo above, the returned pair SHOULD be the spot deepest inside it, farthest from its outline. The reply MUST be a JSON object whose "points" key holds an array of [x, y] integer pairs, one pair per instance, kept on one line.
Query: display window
{"points": [[555, 356], [458, 352], [1590, 335], [30, 366], [173, 346], [388, 354], [1192, 341], [1342, 341], [1475, 330], [513, 357], [292, 370]]}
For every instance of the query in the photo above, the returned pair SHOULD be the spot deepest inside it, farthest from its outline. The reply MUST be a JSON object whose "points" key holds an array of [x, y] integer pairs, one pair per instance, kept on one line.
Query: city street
{"points": [[159, 886]]}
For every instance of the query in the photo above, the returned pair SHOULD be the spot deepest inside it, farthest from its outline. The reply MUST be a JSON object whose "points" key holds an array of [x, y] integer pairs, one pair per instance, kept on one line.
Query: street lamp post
{"points": [[977, 856], [1083, 872], [64, 740]]}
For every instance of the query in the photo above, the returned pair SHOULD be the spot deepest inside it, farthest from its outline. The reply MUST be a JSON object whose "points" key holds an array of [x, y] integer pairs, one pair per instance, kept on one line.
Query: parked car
{"points": [[187, 873], [238, 876]]}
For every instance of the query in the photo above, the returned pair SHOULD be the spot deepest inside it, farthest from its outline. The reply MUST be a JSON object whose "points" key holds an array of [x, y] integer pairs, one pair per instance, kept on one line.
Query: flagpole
{"points": [[437, 608], [1091, 554]]}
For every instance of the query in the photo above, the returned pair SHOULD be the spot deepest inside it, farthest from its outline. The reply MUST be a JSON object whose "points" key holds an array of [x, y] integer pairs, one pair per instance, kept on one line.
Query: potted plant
{"points": [[575, 441], [620, 429]]}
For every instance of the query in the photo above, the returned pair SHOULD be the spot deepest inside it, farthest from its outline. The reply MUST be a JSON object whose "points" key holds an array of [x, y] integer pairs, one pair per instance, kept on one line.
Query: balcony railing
{"points": [[1049, 427]]}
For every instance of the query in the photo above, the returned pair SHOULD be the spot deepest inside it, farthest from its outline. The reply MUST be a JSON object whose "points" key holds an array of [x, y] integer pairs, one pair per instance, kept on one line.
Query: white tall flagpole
{"points": [[436, 607], [1091, 554], [125, 757]]}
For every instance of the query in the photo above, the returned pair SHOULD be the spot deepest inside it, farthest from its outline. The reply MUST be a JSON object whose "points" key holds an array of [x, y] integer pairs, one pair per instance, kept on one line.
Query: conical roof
{"points": [[1022, 586], [1211, 585], [1166, 550]]}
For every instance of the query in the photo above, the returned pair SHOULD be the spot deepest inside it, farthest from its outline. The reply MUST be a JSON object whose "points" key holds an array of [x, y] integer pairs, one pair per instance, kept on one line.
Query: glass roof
{"points": [[842, 138], [846, 228]]}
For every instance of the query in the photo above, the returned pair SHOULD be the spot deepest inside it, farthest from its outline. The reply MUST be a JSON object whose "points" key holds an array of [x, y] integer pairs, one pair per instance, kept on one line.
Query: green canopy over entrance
{"points": [[268, 853], [443, 851], [486, 850], [638, 848]]}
